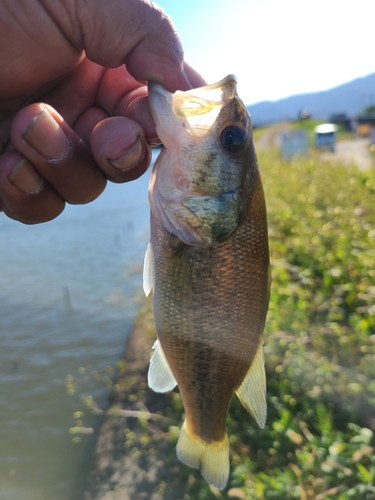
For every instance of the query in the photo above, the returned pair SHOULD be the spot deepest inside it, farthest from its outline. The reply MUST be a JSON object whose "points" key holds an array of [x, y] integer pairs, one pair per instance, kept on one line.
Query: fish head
{"points": [[198, 185]]}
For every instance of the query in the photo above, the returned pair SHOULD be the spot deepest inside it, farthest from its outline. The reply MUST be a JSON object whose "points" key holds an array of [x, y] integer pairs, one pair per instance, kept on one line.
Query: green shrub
{"points": [[319, 339]]}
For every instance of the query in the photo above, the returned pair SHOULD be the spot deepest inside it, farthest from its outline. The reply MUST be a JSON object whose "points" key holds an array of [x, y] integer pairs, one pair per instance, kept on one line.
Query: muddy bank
{"points": [[135, 454]]}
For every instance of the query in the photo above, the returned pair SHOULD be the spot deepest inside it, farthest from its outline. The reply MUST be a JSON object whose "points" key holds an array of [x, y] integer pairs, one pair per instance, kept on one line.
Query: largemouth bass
{"points": [[208, 265]]}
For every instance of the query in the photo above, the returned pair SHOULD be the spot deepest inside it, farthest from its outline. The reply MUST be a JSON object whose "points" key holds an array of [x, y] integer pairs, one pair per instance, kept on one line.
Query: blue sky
{"points": [[277, 48]]}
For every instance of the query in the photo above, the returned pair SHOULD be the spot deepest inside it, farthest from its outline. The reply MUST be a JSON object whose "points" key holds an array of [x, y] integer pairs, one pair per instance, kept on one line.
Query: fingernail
{"points": [[130, 159], [26, 178], [46, 136]]}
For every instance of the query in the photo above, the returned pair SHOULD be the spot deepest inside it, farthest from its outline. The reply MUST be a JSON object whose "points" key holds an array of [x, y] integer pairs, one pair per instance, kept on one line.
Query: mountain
{"points": [[349, 98]]}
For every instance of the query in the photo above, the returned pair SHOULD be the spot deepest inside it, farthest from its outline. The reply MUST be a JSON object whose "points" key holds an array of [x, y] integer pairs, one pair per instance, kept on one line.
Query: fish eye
{"points": [[233, 139]]}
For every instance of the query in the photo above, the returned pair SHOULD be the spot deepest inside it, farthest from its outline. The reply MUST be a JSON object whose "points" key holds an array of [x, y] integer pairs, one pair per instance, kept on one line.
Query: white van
{"points": [[325, 136]]}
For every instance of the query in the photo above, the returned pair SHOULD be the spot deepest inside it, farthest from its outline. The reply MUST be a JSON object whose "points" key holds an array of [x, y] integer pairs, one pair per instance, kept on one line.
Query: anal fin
{"points": [[252, 391], [211, 458], [160, 376]]}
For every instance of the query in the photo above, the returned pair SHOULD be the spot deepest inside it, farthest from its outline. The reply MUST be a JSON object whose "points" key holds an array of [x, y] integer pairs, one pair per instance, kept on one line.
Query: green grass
{"points": [[258, 132], [308, 125], [320, 342]]}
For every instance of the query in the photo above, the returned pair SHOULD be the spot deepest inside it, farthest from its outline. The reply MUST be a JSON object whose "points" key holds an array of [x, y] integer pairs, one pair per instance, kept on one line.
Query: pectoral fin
{"points": [[160, 376], [148, 270], [252, 391]]}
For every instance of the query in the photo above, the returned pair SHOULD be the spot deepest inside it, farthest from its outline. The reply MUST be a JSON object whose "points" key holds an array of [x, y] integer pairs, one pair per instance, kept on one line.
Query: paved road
{"points": [[348, 151], [352, 151]]}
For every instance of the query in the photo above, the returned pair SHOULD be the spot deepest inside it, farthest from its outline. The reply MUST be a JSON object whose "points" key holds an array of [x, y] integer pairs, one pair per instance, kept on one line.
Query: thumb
{"points": [[135, 32]]}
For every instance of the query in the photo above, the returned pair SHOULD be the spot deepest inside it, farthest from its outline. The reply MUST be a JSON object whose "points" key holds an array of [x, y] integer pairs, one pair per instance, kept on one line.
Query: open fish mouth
{"points": [[194, 110]]}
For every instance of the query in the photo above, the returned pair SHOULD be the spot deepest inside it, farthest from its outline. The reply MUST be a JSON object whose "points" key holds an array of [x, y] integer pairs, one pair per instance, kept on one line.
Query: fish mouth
{"points": [[191, 112], [189, 102], [159, 98]]}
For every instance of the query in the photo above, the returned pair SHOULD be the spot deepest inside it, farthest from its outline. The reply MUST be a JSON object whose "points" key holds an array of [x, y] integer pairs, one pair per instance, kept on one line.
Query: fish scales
{"points": [[210, 333], [211, 284]]}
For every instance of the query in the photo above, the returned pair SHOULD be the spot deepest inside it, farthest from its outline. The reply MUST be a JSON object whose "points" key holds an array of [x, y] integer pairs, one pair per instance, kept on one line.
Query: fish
{"points": [[207, 263]]}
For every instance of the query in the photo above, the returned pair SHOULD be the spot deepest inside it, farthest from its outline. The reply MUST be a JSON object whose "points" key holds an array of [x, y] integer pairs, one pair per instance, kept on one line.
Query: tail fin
{"points": [[211, 458]]}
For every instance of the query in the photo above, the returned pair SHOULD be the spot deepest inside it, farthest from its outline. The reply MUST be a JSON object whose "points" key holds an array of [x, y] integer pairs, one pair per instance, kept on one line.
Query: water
{"points": [[67, 291]]}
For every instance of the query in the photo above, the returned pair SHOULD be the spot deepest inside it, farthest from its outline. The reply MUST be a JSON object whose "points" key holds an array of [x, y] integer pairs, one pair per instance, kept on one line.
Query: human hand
{"points": [[71, 114]]}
